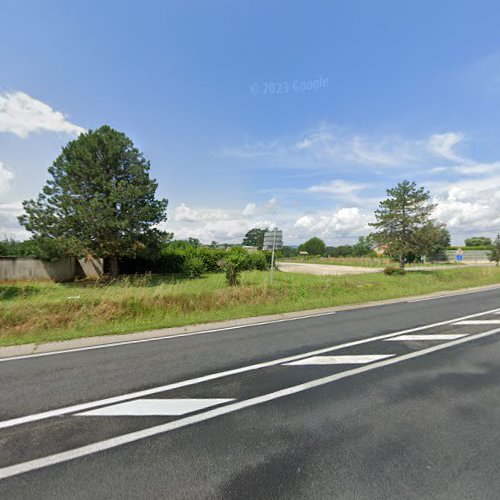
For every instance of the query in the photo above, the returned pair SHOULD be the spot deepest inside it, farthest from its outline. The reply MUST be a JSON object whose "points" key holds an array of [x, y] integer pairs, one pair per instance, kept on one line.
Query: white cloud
{"points": [[252, 209], [337, 187], [220, 225], [9, 227], [328, 145], [184, 213], [249, 209], [6, 177], [344, 222], [443, 145], [469, 206], [22, 115]]}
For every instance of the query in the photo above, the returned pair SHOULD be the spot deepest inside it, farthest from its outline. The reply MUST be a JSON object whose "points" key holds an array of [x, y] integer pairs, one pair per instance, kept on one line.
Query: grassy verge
{"points": [[31, 312]]}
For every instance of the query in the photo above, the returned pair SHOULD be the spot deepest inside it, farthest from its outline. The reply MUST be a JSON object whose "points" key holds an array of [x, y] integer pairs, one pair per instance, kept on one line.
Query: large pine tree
{"points": [[403, 221], [99, 199]]}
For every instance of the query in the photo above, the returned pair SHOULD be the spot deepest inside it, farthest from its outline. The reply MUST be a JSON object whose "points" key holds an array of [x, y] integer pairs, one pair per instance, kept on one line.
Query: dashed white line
{"points": [[340, 360], [39, 463], [429, 336], [150, 407]]}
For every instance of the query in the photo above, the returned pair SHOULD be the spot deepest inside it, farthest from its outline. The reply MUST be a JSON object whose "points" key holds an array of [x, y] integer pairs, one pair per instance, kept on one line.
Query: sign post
{"points": [[273, 240], [460, 255]]}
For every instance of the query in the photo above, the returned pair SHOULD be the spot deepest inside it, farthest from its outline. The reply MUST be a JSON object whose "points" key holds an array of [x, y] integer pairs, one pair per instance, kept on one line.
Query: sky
{"points": [[294, 114]]}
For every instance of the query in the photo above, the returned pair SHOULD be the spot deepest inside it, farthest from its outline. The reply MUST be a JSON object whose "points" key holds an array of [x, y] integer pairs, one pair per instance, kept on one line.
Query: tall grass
{"points": [[31, 312]]}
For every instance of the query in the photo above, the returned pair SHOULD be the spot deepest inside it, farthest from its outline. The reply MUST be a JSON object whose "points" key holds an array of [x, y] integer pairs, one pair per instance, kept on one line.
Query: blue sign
{"points": [[460, 257]]}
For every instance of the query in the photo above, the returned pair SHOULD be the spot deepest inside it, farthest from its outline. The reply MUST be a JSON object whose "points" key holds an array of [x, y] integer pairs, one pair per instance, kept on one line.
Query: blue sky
{"points": [[298, 114]]}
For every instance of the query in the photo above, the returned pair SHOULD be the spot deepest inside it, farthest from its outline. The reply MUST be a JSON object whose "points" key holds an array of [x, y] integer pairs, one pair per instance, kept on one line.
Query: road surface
{"points": [[394, 401]]}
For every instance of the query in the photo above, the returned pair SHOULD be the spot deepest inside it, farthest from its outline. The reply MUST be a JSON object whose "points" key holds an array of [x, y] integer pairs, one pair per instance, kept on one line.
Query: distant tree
{"points": [[99, 200], [340, 251], [433, 238], [477, 241], [182, 245], [363, 248], [400, 220], [494, 254], [194, 242], [313, 246], [255, 238], [288, 251]]}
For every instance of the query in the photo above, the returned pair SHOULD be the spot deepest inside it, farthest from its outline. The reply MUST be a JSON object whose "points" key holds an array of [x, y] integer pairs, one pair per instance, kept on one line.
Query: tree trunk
{"points": [[113, 266], [402, 261]]}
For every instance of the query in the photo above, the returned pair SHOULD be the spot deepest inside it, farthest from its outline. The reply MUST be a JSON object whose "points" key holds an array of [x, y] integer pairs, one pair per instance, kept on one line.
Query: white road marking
{"points": [[176, 385], [165, 337], [452, 295], [340, 360], [429, 336], [479, 322], [39, 463], [150, 407]]}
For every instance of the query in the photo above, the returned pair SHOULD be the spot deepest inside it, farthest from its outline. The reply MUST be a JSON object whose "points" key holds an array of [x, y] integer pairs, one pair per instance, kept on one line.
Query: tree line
{"points": [[100, 200]]}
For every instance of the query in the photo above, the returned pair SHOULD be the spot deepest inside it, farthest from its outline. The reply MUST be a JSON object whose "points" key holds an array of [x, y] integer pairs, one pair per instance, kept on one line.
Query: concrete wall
{"points": [[28, 268], [90, 267]]}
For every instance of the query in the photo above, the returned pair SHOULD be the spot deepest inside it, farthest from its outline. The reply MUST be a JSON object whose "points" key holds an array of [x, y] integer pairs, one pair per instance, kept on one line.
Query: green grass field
{"points": [[41, 312]]}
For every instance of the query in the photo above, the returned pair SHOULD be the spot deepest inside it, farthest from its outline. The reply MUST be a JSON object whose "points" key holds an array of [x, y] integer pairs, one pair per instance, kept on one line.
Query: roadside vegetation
{"points": [[41, 312], [99, 201]]}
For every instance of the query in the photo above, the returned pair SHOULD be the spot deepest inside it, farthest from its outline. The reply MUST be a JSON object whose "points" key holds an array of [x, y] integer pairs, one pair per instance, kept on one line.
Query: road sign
{"points": [[459, 255], [273, 239]]}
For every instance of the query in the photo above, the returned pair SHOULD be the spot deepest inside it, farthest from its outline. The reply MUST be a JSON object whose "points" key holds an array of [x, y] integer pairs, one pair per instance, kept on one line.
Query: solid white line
{"points": [[176, 385], [429, 336], [452, 295], [107, 444], [479, 322], [165, 337]]}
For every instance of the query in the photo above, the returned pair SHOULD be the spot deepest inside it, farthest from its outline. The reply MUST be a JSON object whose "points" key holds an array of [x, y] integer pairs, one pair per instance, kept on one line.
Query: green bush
{"points": [[397, 271], [211, 258], [235, 261], [240, 257], [259, 261], [193, 266]]}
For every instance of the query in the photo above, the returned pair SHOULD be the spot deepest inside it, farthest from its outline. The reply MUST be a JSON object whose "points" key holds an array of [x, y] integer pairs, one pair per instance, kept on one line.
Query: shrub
{"points": [[211, 258], [235, 261], [240, 257], [259, 261], [193, 266], [394, 271]]}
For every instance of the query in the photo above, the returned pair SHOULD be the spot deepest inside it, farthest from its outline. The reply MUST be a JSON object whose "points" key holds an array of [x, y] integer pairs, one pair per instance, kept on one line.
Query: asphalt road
{"points": [[393, 401]]}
